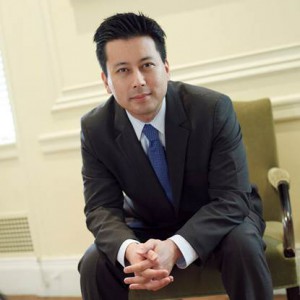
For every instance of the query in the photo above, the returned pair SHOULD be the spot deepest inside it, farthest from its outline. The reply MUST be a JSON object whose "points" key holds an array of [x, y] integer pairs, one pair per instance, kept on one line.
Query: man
{"points": [[165, 176]]}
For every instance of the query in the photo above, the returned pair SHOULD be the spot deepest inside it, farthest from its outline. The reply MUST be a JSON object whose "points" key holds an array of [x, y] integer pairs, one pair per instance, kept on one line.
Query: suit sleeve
{"points": [[228, 185], [103, 202]]}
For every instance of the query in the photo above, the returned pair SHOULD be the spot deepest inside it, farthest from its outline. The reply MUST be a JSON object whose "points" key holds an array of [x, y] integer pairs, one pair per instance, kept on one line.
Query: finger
{"points": [[147, 275], [152, 285], [138, 267], [152, 255], [146, 247], [136, 280], [154, 274]]}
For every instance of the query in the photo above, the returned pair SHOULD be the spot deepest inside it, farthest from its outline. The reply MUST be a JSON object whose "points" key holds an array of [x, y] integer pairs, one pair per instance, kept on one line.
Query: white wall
{"points": [[247, 49]]}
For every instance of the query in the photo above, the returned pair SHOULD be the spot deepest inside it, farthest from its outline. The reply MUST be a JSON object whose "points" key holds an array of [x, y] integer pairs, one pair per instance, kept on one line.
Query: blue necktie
{"points": [[157, 157]]}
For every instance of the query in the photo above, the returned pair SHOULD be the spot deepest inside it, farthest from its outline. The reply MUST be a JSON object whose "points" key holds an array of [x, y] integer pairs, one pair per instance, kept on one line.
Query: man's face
{"points": [[136, 76]]}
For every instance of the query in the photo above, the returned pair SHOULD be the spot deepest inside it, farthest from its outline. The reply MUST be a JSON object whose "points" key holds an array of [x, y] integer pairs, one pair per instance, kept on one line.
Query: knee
{"points": [[243, 241], [88, 263]]}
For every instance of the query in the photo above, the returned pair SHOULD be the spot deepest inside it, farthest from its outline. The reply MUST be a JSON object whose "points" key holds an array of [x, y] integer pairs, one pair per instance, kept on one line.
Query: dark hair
{"points": [[126, 26]]}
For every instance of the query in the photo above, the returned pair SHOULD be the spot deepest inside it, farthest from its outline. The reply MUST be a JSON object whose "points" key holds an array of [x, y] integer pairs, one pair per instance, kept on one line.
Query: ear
{"points": [[167, 68], [105, 81]]}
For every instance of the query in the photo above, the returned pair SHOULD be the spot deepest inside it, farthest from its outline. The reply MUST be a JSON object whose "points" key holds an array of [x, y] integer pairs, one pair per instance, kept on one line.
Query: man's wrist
{"points": [[176, 253], [122, 251], [188, 253], [130, 249]]}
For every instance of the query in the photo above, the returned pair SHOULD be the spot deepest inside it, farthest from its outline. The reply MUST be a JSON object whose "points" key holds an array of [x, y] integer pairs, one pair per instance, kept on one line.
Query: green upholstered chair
{"points": [[259, 137]]}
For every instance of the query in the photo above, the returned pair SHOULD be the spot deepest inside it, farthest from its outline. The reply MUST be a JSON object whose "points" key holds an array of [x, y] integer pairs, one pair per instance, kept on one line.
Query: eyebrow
{"points": [[123, 63], [120, 64], [146, 58]]}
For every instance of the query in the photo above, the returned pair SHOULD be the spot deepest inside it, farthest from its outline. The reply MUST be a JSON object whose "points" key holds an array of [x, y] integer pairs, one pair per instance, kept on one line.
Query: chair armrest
{"points": [[279, 179]]}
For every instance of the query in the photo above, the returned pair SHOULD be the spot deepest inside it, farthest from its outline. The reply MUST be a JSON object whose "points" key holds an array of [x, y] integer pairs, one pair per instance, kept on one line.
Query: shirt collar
{"points": [[158, 122]]}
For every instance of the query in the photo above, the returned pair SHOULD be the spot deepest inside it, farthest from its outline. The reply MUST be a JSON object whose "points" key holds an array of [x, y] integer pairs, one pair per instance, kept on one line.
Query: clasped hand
{"points": [[151, 263]]}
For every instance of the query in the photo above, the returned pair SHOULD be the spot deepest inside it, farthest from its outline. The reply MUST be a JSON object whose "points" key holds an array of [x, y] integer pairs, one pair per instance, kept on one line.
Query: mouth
{"points": [[140, 96]]}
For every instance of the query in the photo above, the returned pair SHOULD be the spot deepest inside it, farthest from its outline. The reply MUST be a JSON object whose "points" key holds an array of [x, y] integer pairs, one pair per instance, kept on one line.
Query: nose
{"points": [[138, 79]]}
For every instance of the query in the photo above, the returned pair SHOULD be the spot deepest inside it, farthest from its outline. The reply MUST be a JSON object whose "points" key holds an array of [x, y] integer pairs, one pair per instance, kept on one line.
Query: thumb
{"points": [[147, 246], [152, 255]]}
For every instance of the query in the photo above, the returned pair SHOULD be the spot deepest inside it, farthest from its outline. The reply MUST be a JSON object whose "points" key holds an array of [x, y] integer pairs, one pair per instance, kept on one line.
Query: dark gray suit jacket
{"points": [[207, 166]]}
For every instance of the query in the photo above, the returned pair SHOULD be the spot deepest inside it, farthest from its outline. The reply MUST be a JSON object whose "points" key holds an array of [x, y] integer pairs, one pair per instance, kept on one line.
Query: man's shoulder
{"points": [[99, 114], [197, 96]]}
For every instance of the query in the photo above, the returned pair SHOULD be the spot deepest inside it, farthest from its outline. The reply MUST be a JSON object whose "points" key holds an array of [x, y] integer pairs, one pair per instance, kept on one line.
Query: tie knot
{"points": [[150, 132]]}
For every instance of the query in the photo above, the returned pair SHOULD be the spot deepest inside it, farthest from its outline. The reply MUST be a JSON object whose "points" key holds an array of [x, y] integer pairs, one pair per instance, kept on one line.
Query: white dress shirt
{"points": [[188, 253]]}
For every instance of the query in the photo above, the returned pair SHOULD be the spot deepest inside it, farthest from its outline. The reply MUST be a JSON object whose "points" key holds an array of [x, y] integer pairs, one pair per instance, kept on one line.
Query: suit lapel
{"points": [[131, 148], [177, 130], [128, 142]]}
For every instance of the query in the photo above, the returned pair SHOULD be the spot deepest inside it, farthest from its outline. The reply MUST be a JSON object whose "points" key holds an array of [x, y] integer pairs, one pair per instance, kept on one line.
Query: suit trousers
{"points": [[239, 256]]}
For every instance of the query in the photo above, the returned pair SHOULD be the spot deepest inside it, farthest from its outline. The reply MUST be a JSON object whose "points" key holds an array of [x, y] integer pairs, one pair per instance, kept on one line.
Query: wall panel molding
{"points": [[87, 95], [60, 141], [240, 66], [285, 108], [8, 151], [54, 61], [199, 73]]}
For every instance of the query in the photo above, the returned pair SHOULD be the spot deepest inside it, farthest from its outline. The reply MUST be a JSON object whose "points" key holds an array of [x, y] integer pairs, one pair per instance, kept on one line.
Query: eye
{"points": [[148, 65], [122, 70]]}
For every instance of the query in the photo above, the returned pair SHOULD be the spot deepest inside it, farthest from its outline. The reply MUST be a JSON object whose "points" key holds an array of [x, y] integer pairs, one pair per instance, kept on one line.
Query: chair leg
{"points": [[293, 293]]}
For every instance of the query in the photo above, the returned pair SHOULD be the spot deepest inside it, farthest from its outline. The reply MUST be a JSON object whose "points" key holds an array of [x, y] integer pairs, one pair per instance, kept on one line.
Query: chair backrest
{"points": [[257, 125]]}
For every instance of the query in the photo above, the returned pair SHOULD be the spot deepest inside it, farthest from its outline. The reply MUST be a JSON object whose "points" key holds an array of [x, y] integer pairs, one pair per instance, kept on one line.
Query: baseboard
{"points": [[50, 276], [46, 277]]}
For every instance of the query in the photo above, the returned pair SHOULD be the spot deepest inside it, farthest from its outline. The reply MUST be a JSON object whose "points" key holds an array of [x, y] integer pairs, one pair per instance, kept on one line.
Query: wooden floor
{"points": [[76, 298]]}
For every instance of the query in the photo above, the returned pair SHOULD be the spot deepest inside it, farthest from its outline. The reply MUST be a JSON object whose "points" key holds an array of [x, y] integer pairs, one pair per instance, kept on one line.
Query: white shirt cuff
{"points": [[189, 255], [122, 250]]}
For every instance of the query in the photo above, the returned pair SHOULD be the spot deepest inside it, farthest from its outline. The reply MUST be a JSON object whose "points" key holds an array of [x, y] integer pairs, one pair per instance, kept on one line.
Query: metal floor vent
{"points": [[15, 236]]}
